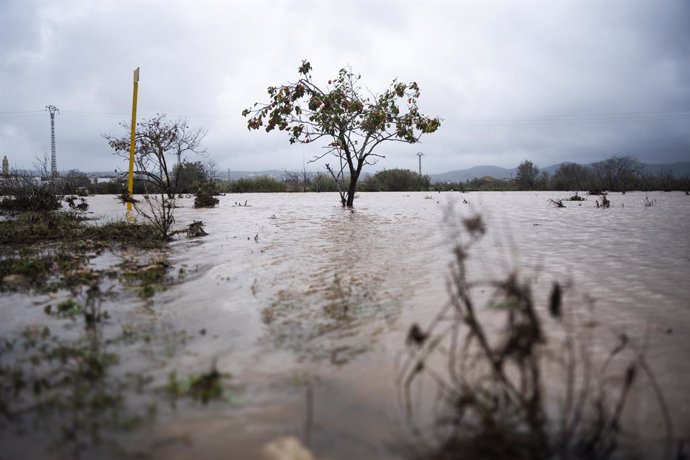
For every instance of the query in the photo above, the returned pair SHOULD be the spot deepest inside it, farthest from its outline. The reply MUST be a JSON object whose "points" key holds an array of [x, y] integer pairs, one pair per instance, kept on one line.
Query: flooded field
{"points": [[302, 309]]}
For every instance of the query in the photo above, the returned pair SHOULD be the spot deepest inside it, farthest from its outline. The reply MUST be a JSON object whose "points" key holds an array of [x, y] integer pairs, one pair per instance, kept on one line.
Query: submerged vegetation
{"points": [[73, 385], [34, 227], [67, 376], [205, 387], [21, 193], [343, 113], [532, 388], [205, 197]]}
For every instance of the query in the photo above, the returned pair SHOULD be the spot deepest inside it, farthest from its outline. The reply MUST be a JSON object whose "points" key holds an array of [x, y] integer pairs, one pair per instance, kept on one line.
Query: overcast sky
{"points": [[548, 80]]}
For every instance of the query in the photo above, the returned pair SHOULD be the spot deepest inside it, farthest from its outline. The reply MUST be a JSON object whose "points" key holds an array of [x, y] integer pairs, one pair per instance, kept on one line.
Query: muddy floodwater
{"points": [[304, 307]]}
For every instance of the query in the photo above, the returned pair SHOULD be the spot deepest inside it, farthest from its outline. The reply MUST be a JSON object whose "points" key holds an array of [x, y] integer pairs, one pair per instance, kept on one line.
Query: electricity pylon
{"points": [[53, 157]]}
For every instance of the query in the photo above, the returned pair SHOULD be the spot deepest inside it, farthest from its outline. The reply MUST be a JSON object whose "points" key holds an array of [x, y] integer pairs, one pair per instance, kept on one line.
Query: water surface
{"points": [[307, 305]]}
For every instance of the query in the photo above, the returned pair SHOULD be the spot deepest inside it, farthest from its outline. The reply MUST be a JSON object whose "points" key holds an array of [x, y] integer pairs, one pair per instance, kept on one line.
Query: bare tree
{"points": [[292, 179], [41, 164], [211, 172], [618, 173], [159, 142], [158, 211]]}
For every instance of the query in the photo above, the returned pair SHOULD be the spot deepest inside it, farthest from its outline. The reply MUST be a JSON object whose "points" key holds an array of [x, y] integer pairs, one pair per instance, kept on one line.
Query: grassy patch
{"points": [[147, 279], [30, 269], [22, 194], [67, 388], [29, 257], [37, 227]]}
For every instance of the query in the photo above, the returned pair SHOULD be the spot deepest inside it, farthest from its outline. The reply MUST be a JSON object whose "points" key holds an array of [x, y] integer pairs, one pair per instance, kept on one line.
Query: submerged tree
{"points": [[353, 123], [160, 144]]}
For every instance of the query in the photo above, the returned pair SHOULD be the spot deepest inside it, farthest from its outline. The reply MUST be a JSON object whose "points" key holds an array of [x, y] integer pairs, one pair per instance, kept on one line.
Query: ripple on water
{"points": [[292, 286]]}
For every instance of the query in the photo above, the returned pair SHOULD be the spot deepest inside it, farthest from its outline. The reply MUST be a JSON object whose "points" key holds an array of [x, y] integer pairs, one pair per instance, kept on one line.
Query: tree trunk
{"points": [[352, 188]]}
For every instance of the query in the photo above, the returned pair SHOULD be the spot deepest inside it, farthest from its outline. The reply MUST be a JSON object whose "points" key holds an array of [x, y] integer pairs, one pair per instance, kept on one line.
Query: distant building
{"points": [[5, 166]]}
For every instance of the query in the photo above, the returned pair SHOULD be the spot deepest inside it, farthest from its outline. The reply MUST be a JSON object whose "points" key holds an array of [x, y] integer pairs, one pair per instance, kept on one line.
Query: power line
{"points": [[469, 121], [149, 114], [22, 111], [78, 113], [574, 118]]}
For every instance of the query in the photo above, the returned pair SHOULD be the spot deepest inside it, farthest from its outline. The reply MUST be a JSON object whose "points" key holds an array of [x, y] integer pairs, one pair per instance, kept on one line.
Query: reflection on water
{"points": [[339, 307], [78, 365], [296, 296], [61, 386]]}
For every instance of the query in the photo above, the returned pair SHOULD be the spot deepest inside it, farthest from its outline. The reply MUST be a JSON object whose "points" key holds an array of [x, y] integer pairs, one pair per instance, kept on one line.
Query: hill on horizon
{"points": [[678, 169]]}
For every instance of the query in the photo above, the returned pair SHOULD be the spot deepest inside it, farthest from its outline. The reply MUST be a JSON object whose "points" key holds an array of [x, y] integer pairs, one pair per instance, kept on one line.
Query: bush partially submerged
{"points": [[158, 211], [516, 392], [205, 198], [34, 227], [24, 194], [71, 201]]}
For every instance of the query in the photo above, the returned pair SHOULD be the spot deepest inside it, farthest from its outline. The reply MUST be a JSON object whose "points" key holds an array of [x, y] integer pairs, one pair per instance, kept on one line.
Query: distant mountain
{"points": [[679, 169], [462, 175]]}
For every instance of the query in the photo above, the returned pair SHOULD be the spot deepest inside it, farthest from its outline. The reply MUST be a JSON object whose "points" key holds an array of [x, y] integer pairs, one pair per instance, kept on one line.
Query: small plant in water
{"points": [[67, 308], [204, 387], [516, 391], [71, 201], [605, 202], [158, 211], [557, 203], [196, 229]]}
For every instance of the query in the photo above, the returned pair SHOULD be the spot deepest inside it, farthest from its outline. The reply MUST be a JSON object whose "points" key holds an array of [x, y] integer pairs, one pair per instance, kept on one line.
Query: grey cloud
{"points": [[542, 80]]}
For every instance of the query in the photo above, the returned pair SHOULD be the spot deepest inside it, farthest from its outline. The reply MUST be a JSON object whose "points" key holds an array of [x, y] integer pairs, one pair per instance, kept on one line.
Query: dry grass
{"points": [[528, 387]]}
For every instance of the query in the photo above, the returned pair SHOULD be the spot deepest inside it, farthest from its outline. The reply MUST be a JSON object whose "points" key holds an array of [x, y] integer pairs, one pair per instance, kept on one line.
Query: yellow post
{"points": [[130, 181]]}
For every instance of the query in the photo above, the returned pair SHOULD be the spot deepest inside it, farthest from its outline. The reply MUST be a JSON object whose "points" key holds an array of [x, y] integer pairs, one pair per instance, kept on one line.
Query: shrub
{"points": [[261, 184], [34, 227], [24, 194], [396, 180], [204, 198], [530, 388], [323, 183], [159, 212]]}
